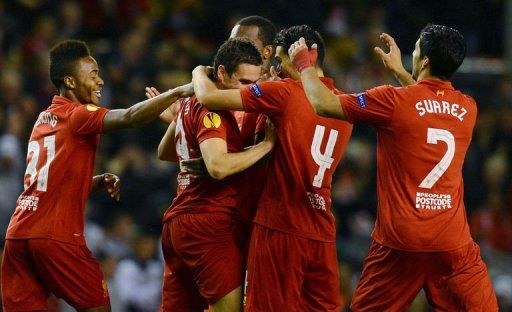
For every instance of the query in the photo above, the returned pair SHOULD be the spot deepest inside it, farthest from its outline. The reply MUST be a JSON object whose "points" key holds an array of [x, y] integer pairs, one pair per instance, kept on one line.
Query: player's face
{"points": [[245, 74], [88, 82], [416, 62], [286, 68]]}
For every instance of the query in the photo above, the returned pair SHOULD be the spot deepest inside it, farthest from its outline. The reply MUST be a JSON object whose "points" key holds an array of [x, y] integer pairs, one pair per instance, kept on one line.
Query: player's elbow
{"points": [[217, 169]]}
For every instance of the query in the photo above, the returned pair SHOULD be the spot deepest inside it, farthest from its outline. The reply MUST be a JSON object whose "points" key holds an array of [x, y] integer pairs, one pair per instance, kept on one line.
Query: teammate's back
{"points": [[296, 197], [424, 131]]}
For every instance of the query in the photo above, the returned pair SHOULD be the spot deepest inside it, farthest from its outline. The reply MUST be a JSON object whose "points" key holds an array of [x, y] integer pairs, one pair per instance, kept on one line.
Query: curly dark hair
{"points": [[63, 58], [288, 36], [445, 48]]}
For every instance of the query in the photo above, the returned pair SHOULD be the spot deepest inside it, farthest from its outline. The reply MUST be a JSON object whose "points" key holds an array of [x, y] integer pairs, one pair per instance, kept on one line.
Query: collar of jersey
{"points": [[60, 100], [437, 83]]}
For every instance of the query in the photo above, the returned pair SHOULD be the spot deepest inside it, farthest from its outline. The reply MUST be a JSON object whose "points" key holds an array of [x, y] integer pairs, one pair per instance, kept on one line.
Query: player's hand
{"points": [[185, 90], [393, 59], [270, 133], [206, 70], [151, 92], [112, 184], [195, 167], [301, 56]]}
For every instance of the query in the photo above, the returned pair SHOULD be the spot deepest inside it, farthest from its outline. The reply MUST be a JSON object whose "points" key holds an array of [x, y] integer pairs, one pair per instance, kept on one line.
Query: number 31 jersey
{"points": [[424, 131], [58, 179], [296, 198]]}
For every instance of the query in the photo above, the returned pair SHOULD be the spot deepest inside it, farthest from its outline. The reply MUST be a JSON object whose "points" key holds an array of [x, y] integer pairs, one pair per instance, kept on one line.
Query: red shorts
{"points": [[34, 268], [203, 260], [454, 280], [290, 273]]}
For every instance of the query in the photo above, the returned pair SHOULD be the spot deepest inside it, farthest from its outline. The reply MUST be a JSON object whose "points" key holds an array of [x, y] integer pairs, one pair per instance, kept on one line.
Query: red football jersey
{"points": [[194, 124], [296, 198], [424, 131], [58, 179]]}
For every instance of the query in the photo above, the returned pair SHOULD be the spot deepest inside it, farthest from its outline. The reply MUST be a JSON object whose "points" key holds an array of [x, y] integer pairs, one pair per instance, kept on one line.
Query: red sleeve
{"points": [[374, 106], [210, 125], [265, 97], [87, 119]]}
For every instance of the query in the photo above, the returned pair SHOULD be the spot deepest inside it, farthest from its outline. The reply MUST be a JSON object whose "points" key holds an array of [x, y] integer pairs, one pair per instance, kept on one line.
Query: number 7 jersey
{"points": [[423, 133], [296, 198], [58, 178]]}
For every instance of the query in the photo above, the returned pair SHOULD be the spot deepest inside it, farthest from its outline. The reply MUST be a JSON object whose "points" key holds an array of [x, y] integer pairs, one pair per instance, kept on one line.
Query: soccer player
{"points": [[292, 264], [201, 239], [421, 237], [45, 250]]}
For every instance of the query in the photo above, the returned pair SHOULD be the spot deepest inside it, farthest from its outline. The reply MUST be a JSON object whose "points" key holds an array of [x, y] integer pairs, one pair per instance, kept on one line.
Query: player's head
{"points": [[439, 50], [75, 72], [260, 31], [237, 63], [286, 37]]}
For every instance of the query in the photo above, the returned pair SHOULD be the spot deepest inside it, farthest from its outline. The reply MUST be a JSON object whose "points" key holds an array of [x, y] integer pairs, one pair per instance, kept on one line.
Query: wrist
{"points": [[302, 60]]}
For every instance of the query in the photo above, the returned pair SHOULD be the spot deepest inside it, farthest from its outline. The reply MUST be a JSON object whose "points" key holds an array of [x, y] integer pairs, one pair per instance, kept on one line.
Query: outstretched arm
{"points": [[324, 102], [221, 164], [393, 60], [210, 96], [145, 111]]}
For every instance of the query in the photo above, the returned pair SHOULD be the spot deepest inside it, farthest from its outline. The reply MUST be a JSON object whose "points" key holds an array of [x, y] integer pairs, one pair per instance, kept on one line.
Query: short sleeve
{"points": [[210, 125], [267, 97], [87, 119], [374, 106]]}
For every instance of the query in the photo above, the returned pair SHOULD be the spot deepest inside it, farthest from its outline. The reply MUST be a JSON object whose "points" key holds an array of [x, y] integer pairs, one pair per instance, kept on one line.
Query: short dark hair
{"points": [[288, 36], [445, 48], [267, 30], [63, 58], [234, 52]]}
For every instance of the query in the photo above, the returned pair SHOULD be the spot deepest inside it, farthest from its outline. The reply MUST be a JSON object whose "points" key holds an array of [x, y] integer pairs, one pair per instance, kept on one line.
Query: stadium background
{"points": [[142, 43]]}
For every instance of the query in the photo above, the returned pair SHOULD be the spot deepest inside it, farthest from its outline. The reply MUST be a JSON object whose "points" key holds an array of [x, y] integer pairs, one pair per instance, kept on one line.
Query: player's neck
{"points": [[425, 74], [68, 94]]}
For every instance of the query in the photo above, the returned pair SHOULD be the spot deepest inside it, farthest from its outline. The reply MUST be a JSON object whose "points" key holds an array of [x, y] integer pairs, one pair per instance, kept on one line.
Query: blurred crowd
{"points": [[157, 43]]}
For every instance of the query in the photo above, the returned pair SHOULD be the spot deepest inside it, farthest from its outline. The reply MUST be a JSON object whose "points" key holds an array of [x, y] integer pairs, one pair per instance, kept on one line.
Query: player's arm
{"points": [[145, 111], [167, 148], [221, 164], [323, 100], [393, 60], [210, 96], [107, 181]]}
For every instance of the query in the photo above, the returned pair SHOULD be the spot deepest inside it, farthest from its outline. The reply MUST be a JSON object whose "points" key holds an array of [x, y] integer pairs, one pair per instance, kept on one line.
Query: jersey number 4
{"points": [[34, 149], [433, 136], [323, 160]]}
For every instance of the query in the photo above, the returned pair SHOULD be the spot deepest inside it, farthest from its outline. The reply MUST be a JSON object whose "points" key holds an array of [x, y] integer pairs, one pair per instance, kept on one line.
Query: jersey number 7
{"points": [[433, 136]]}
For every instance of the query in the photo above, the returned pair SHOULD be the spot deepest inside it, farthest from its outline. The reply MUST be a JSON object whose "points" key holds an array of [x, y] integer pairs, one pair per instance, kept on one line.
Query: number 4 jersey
{"points": [[296, 198], [424, 131], [58, 179]]}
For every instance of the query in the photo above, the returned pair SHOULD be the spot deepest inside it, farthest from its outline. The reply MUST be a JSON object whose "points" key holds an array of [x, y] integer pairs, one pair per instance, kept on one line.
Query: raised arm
{"points": [[221, 164], [145, 111], [393, 60], [324, 102], [210, 96]]}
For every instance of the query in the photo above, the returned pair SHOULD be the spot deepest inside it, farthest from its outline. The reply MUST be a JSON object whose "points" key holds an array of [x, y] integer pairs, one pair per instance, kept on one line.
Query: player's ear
{"points": [[267, 52], [69, 82], [425, 62], [222, 74]]}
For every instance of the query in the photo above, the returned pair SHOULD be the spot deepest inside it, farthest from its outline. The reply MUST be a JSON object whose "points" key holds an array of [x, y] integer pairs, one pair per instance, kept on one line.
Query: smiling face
{"points": [[86, 82], [245, 74]]}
